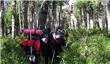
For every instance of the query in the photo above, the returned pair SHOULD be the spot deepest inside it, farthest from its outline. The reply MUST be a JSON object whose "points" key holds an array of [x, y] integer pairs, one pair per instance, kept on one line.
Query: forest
{"points": [[87, 23]]}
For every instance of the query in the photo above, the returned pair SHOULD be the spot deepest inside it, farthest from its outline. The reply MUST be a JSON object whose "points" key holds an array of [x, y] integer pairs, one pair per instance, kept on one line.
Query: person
{"points": [[57, 43], [33, 38], [46, 35], [60, 31]]}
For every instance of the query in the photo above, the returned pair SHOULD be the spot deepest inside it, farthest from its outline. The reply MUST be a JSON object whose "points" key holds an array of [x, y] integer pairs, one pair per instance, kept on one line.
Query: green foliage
{"points": [[11, 53], [78, 14], [93, 48], [8, 16], [93, 7], [9, 13]]}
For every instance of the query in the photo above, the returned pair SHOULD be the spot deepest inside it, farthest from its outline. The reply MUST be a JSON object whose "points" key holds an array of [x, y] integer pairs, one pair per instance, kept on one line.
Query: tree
{"points": [[43, 14], [16, 19], [25, 10], [2, 27], [108, 14], [1, 11], [13, 18]]}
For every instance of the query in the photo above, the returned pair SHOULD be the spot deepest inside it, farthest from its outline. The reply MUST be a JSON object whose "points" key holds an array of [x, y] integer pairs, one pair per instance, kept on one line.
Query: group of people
{"points": [[45, 42]]}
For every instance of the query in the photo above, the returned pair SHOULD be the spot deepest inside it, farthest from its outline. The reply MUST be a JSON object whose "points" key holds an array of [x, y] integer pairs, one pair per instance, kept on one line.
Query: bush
{"points": [[83, 47], [11, 53], [93, 50]]}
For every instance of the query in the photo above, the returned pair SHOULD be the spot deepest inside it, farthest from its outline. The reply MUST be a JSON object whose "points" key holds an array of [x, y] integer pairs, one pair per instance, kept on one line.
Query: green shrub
{"points": [[11, 53], [93, 50]]}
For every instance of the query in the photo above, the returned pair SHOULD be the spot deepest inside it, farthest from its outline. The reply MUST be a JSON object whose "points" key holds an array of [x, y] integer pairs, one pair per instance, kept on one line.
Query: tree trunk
{"points": [[54, 10], [13, 18], [50, 16], [97, 22], [100, 23], [88, 21], [1, 10], [82, 18], [36, 14], [108, 15], [57, 16], [20, 17], [85, 17], [16, 19], [91, 23], [32, 11], [2, 18], [60, 7], [43, 15], [13, 30], [25, 13]]}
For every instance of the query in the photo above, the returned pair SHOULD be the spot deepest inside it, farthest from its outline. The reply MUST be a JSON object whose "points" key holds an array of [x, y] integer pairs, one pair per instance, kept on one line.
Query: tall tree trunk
{"points": [[57, 16], [31, 14], [85, 17], [13, 30], [50, 16], [16, 19], [100, 23], [43, 15], [108, 14], [32, 11], [97, 22], [91, 23], [2, 18], [82, 18], [88, 20], [13, 18], [36, 14], [54, 10], [1, 10], [25, 13], [106, 19], [20, 17], [60, 7]]}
